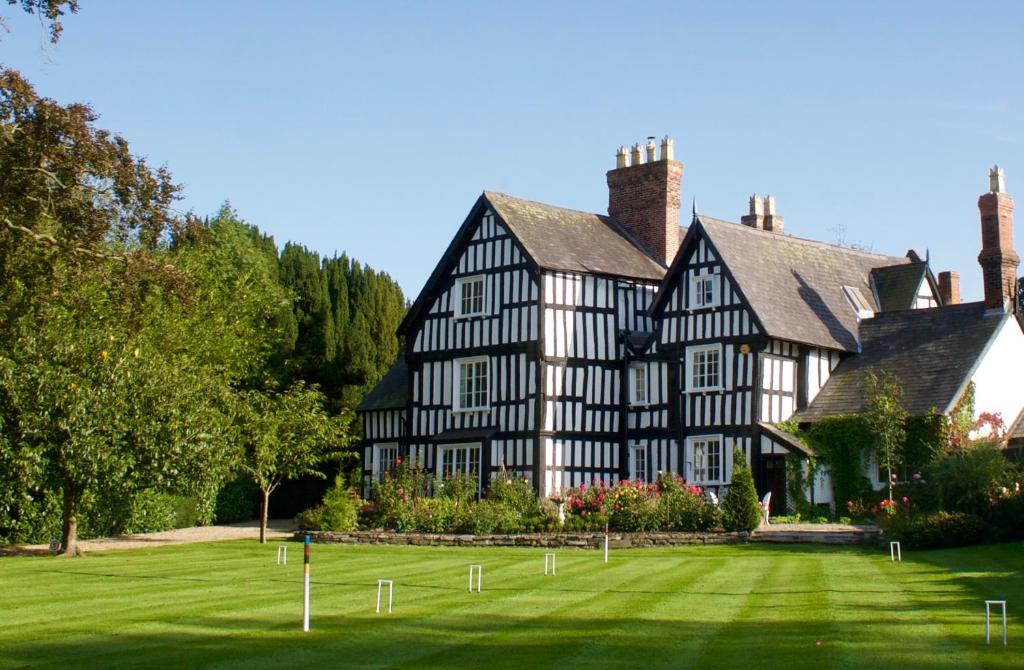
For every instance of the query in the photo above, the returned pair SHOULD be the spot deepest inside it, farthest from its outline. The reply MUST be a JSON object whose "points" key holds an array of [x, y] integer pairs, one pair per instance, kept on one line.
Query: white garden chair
{"points": [[766, 506]]}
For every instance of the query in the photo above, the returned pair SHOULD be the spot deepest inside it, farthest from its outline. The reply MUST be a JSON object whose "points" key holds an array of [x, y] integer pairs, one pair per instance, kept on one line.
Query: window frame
{"points": [[635, 400], [378, 466], [696, 290], [457, 405], [460, 285], [691, 452], [469, 447], [691, 355], [638, 462]]}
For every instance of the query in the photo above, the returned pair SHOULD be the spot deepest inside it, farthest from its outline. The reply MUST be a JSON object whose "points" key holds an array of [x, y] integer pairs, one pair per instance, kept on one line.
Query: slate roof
{"points": [[1016, 432], [574, 241], [391, 392], [795, 286], [932, 353], [896, 285]]}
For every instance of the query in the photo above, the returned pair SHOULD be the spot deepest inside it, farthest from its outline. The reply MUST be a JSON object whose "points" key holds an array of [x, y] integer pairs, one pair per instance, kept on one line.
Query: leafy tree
{"points": [[740, 510], [284, 436], [52, 10], [887, 420]]}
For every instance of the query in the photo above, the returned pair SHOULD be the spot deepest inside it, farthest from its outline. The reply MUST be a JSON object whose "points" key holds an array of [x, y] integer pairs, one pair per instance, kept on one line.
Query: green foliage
{"points": [[459, 487], [841, 444], [684, 507], [740, 509], [237, 500], [886, 419], [972, 479], [634, 506], [338, 512], [939, 530]]}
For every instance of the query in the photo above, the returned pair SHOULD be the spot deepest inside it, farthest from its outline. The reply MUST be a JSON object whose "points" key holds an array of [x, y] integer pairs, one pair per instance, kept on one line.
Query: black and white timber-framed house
{"points": [[565, 346]]}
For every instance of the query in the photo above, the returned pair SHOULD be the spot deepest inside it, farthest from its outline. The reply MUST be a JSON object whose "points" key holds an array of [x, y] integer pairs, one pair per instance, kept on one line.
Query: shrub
{"points": [[585, 507], [515, 493], [633, 506], [393, 493], [338, 512], [433, 515], [237, 500], [487, 517], [938, 530], [971, 479], [683, 507], [740, 509], [459, 487]]}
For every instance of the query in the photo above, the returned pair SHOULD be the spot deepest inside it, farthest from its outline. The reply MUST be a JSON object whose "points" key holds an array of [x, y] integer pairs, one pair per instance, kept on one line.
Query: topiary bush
{"points": [[740, 508]]}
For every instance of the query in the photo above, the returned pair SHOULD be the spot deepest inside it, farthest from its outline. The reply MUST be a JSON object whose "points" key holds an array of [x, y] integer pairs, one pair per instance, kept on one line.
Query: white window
{"points": [[469, 296], [384, 458], [703, 291], [460, 459], [471, 384], [704, 368], [638, 462], [707, 459], [638, 384]]}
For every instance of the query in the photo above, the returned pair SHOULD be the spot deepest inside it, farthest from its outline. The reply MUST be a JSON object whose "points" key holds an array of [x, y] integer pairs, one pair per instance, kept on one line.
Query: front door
{"points": [[775, 481]]}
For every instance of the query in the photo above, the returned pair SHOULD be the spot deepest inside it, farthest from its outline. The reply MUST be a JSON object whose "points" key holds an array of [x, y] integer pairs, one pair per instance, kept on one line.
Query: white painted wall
{"points": [[998, 379]]}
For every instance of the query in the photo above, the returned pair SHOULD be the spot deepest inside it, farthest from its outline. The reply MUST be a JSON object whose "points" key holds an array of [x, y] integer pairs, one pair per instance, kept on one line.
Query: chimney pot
{"points": [[650, 151], [996, 180], [755, 219], [949, 288], [667, 149], [621, 158], [637, 155], [772, 221]]}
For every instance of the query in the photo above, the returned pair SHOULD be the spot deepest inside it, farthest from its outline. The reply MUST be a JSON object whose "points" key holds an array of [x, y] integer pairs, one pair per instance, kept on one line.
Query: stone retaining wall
{"points": [[538, 540]]}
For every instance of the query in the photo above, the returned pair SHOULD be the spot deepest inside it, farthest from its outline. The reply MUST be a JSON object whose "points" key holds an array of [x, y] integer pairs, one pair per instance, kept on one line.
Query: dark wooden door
{"points": [[775, 481]]}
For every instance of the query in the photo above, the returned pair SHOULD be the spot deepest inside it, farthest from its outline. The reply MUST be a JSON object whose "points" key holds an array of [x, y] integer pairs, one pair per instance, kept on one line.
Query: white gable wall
{"points": [[997, 379]]}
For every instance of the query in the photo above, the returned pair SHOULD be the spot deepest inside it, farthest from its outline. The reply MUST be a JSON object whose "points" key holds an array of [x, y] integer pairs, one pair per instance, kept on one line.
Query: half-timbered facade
{"points": [[565, 346]]}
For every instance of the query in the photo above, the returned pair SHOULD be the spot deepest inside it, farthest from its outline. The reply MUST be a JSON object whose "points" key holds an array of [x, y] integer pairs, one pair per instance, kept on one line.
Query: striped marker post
{"points": [[305, 587]]}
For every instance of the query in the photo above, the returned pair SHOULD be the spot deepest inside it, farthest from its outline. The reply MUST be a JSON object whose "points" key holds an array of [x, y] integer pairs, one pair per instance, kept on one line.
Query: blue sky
{"points": [[371, 128]]}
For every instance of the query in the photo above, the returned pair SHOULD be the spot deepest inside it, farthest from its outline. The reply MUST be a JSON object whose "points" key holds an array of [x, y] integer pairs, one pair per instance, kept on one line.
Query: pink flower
{"points": [[906, 499]]}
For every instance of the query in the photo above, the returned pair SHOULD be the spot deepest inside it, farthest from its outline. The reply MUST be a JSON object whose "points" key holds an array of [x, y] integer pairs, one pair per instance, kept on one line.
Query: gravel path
{"points": [[277, 529]]}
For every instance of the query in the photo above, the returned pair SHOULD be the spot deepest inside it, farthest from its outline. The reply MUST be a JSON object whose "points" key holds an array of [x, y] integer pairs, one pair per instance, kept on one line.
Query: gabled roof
{"points": [[552, 238], [391, 392], [794, 286], [574, 241], [931, 352], [896, 285]]}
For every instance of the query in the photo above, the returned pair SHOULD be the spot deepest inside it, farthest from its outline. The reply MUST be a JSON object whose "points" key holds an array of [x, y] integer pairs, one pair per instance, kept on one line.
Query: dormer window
{"points": [[859, 303], [469, 296], [703, 291]]}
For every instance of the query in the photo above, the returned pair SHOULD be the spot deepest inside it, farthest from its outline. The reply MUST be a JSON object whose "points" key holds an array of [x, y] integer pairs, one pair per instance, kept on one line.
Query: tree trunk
{"points": [[263, 514], [69, 535]]}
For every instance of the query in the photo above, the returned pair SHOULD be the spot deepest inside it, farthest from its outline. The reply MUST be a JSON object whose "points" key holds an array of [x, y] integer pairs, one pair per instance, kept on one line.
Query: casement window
{"points": [[384, 458], [703, 291], [469, 296], [638, 462], [461, 459], [638, 384], [704, 368], [471, 384], [707, 459]]}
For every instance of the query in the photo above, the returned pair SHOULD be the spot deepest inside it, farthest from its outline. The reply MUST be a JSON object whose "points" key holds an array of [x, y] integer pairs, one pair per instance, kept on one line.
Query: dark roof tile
{"points": [[391, 392], [931, 352]]}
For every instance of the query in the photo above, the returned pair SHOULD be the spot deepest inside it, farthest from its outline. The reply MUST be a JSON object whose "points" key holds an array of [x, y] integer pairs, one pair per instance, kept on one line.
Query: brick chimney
{"points": [[998, 259], [762, 215], [644, 197], [772, 222], [755, 219], [949, 288]]}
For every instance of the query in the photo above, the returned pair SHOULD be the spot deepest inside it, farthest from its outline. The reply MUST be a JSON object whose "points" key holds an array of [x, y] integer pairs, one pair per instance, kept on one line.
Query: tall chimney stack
{"points": [[644, 198], [998, 258], [949, 288]]}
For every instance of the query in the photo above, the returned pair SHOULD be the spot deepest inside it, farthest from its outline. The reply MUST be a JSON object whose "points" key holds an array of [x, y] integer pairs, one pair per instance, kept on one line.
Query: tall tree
{"points": [[50, 10]]}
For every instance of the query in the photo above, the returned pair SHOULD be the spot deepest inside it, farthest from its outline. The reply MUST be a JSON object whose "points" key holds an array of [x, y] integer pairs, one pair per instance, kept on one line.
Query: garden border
{"points": [[536, 540]]}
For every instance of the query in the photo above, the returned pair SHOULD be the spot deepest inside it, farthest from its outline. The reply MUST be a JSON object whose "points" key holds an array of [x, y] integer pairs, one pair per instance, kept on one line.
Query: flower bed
{"points": [[536, 540]]}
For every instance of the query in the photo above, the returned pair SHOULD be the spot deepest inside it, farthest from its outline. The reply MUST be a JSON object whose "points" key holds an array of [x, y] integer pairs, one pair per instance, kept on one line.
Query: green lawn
{"points": [[227, 605]]}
